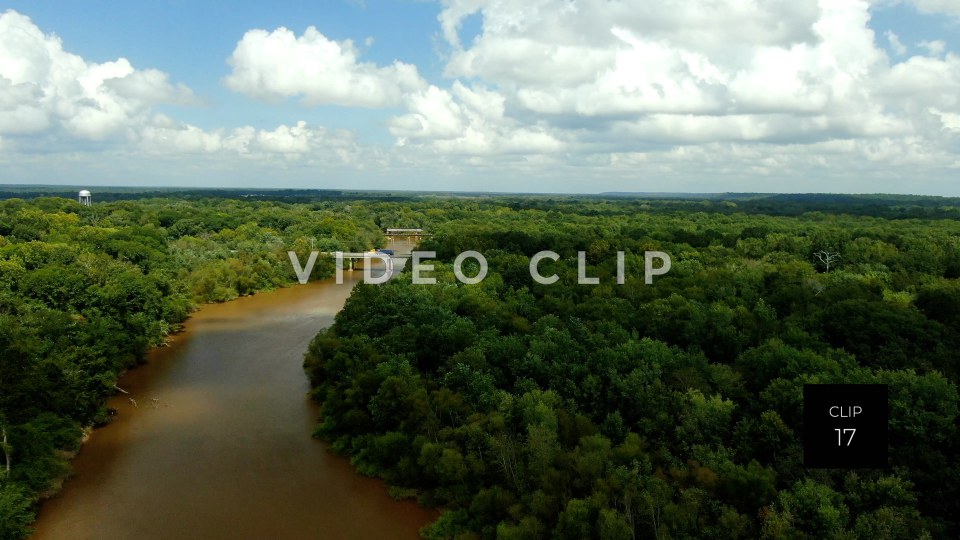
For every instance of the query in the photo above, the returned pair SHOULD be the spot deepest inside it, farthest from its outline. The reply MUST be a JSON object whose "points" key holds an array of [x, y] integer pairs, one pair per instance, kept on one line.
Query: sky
{"points": [[561, 96]]}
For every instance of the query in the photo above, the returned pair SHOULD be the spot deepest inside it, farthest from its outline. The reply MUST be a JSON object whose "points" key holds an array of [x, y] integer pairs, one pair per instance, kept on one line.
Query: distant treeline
{"points": [[885, 206], [131, 194], [882, 205]]}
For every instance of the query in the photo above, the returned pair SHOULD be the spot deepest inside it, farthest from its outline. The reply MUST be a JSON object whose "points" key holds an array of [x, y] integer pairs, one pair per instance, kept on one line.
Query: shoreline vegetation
{"points": [[526, 410]]}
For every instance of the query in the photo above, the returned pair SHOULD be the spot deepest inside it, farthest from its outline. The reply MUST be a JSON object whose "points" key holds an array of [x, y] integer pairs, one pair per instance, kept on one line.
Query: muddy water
{"points": [[217, 443]]}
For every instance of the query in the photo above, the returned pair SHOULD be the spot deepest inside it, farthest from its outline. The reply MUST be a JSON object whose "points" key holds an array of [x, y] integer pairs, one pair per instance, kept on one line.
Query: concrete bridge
{"points": [[397, 260], [402, 242], [405, 239], [416, 233]]}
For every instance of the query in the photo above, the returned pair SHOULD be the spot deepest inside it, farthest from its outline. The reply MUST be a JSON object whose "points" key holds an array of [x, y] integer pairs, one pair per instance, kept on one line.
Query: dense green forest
{"points": [[84, 291], [671, 410]]}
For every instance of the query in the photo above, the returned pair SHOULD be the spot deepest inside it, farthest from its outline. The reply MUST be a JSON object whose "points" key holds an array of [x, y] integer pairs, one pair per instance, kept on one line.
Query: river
{"points": [[218, 442]]}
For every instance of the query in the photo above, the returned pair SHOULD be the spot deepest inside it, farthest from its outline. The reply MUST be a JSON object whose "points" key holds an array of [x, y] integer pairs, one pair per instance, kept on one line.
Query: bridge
{"points": [[409, 238], [417, 233], [397, 260], [402, 242]]}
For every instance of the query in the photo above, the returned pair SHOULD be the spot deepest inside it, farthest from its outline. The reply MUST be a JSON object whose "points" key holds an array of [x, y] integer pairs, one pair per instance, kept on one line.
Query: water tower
{"points": [[85, 198]]}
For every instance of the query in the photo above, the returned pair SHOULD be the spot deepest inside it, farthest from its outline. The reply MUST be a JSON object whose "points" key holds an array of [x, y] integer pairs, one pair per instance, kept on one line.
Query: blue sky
{"points": [[539, 96]]}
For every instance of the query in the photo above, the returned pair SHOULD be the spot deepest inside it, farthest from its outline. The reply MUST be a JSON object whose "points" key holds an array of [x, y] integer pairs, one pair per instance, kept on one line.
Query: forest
{"points": [[672, 410]]}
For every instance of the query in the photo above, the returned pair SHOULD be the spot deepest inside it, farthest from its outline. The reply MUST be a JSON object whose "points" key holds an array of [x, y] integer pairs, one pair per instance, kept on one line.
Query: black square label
{"points": [[845, 426]]}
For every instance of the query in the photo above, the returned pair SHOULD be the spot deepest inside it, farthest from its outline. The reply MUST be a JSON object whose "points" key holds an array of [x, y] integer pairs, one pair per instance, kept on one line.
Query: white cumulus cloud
{"points": [[280, 64], [467, 121], [43, 87], [898, 47], [168, 137], [946, 7]]}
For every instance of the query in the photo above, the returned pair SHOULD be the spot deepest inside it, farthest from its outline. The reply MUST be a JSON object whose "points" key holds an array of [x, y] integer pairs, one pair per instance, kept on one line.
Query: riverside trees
{"points": [[669, 411]]}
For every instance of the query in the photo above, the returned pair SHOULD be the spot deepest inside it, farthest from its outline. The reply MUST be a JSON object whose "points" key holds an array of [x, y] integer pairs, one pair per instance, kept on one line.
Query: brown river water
{"points": [[218, 444]]}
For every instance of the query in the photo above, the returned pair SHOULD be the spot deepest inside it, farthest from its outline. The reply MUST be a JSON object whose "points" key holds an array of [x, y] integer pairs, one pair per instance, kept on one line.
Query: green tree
{"points": [[16, 513]]}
